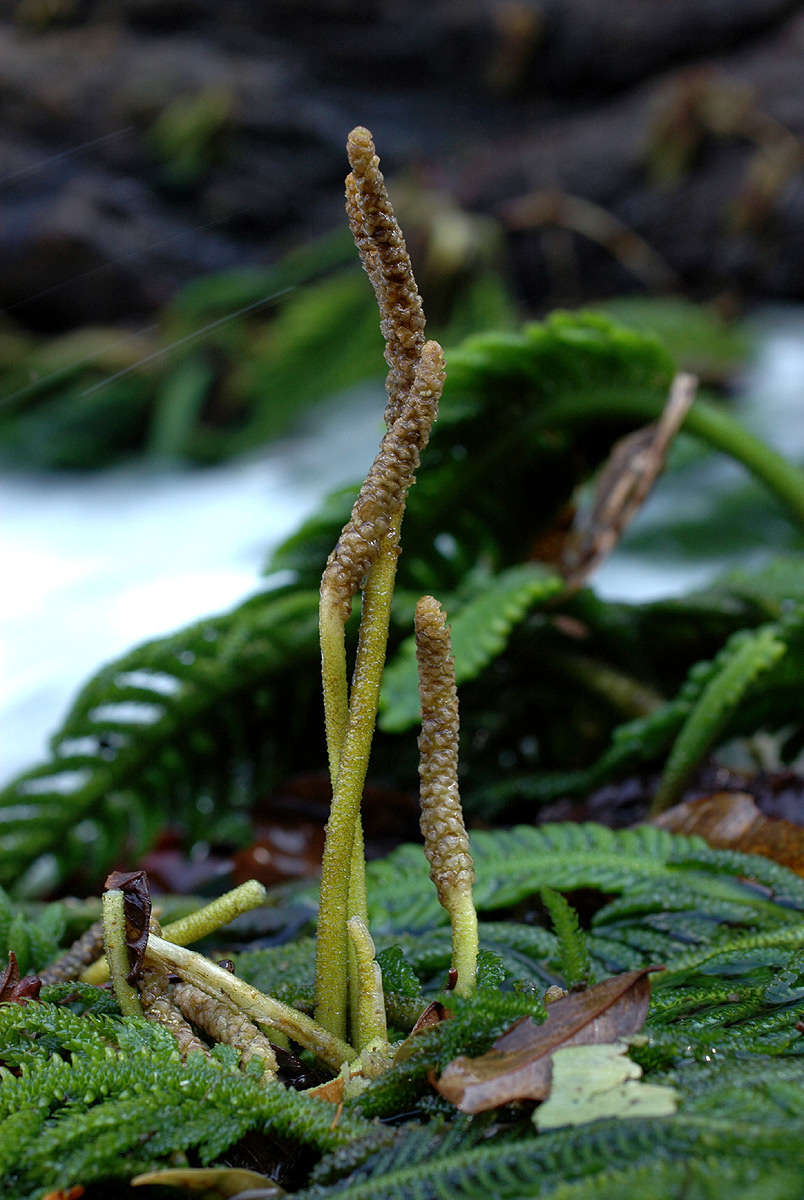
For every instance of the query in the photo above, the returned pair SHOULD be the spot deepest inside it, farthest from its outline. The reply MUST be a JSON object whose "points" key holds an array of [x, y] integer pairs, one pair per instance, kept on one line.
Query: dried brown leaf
{"points": [[137, 906], [519, 1065], [732, 821], [331, 1091], [14, 990], [635, 463]]}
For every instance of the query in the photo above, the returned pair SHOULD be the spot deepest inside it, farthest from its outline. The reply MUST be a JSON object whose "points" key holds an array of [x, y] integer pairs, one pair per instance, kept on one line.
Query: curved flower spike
{"points": [[386, 486], [385, 258]]}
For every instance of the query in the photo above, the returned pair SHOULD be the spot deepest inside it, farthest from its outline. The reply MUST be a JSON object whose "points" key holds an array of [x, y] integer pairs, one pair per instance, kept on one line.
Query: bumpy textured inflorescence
{"points": [[158, 1006], [226, 1024], [445, 840], [77, 957], [387, 483], [385, 258]]}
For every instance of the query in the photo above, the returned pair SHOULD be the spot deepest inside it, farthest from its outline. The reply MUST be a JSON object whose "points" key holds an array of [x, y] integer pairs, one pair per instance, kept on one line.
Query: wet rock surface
{"points": [[143, 143]]}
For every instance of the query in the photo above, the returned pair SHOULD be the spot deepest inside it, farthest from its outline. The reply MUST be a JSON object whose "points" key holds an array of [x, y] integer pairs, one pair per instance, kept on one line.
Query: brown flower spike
{"points": [[446, 843], [364, 558], [385, 258], [226, 1024], [386, 486]]}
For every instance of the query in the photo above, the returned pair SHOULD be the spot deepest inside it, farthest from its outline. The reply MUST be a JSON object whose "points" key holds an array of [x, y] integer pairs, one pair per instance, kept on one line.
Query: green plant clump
{"points": [[317, 1060]]}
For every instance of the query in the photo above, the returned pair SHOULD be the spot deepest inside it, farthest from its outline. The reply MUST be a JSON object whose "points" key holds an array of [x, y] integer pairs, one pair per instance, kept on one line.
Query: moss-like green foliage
{"points": [[105, 1097], [100, 1097], [737, 1122], [572, 949], [34, 940]]}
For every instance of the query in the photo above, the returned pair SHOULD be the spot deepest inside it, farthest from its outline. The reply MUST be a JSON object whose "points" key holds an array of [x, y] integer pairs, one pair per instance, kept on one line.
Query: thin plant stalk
{"points": [[371, 1023], [114, 937], [198, 924], [262, 1009], [332, 953]]}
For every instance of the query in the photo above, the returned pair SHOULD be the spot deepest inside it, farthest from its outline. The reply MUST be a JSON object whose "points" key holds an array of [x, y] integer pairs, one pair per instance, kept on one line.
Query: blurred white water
{"points": [[93, 564]]}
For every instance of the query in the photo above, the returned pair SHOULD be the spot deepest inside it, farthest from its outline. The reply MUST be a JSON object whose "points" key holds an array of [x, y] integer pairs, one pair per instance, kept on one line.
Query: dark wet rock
{"points": [[145, 142]]}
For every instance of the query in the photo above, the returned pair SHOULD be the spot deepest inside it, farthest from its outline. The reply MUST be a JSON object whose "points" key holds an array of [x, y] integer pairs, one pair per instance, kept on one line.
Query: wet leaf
{"points": [[732, 821], [519, 1064], [211, 1181], [14, 990], [432, 1015], [591, 1082], [137, 905]]}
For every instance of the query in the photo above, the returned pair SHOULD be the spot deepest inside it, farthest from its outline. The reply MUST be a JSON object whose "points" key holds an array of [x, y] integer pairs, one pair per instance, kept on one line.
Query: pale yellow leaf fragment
{"points": [[597, 1081]]}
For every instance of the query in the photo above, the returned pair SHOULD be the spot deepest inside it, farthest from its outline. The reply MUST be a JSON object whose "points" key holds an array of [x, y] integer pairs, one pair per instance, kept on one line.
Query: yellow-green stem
{"points": [[262, 1009], [336, 715], [357, 907], [463, 918], [333, 678], [370, 1011], [114, 938], [332, 955], [198, 924]]}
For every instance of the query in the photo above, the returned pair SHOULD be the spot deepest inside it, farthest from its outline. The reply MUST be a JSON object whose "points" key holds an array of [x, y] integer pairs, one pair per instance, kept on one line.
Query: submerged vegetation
{"points": [[404, 1047]]}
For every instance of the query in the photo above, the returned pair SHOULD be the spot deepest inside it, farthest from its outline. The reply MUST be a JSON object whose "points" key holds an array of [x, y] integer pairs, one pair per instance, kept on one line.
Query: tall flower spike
{"points": [[365, 557], [385, 258], [446, 843]]}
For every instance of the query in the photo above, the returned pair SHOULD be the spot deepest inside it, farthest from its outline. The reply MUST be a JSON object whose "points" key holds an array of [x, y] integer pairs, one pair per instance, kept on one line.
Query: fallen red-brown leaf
{"points": [[732, 821], [519, 1064], [14, 990]]}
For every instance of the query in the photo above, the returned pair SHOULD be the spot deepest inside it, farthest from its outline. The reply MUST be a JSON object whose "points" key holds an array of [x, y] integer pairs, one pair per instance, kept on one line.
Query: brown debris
{"points": [[519, 1064], [82, 952], [625, 483], [732, 821], [387, 483], [385, 258], [137, 907], [14, 990], [445, 841]]}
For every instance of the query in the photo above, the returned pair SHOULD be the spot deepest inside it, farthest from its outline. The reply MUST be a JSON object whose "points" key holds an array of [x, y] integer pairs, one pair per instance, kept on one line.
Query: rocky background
{"points": [[653, 144]]}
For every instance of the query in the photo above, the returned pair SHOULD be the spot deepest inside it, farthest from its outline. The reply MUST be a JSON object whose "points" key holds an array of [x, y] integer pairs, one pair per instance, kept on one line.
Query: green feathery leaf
{"points": [[479, 631], [572, 949]]}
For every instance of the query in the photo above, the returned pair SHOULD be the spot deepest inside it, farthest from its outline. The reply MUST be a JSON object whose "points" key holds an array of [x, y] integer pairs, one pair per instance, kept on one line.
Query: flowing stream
{"points": [[94, 564]]}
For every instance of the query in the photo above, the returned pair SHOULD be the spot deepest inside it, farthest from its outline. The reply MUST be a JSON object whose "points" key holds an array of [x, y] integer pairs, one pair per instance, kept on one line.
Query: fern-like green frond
{"points": [[708, 1141], [479, 631], [111, 1097], [573, 954], [749, 657], [749, 684], [514, 864], [162, 728]]}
